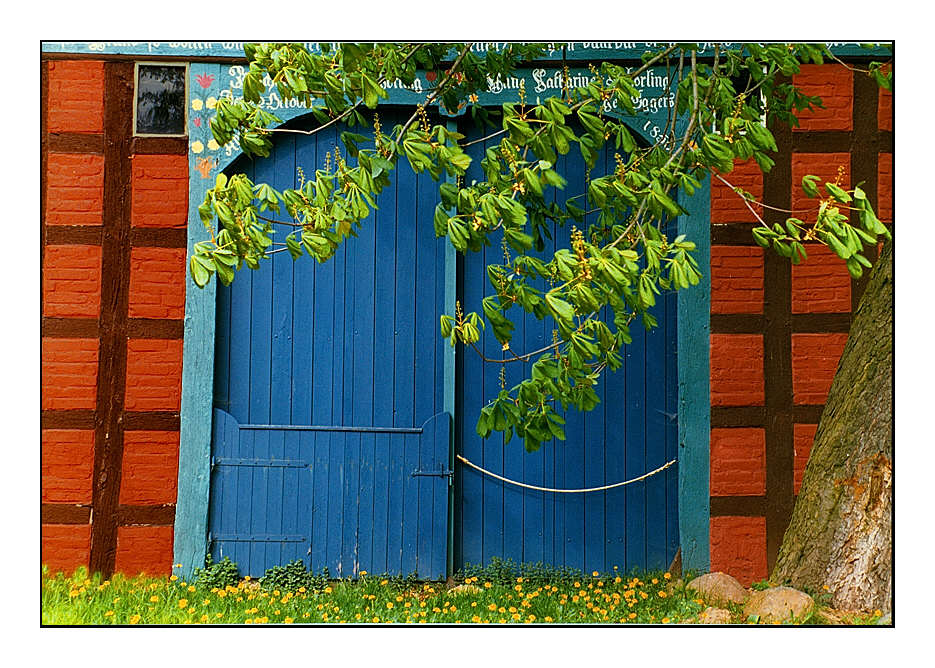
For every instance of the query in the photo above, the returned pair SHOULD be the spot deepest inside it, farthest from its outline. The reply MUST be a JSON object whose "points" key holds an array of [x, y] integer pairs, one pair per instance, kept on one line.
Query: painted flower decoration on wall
{"points": [[204, 80]]}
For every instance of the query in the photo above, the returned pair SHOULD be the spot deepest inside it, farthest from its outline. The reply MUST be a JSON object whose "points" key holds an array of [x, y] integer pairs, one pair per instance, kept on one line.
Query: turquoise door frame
{"points": [[208, 82]]}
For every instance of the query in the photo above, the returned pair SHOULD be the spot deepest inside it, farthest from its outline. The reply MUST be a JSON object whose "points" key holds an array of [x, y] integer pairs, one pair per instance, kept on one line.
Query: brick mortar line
{"points": [[115, 279]]}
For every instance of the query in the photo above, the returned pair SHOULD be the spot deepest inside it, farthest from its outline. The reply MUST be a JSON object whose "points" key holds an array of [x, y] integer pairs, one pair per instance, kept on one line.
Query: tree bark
{"points": [[840, 533]]}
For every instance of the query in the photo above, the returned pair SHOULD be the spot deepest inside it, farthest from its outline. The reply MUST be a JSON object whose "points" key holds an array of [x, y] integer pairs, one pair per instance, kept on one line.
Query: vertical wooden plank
{"points": [[282, 162], [321, 477], [395, 509], [694, 313], [335, 517], [381, 499], [655, 420], [471, 497], [672, 425], [440, 562], [404, 362], [410, 504], [275, 504], [366, 504], [304, 309], [222, 348], [636, 447], [352, 497]]}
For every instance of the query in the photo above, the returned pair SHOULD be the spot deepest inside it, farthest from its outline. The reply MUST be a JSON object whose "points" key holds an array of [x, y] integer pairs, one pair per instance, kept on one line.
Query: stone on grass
{"points": [[719, 588], [714, 616], [779, 604], [465, 589]]}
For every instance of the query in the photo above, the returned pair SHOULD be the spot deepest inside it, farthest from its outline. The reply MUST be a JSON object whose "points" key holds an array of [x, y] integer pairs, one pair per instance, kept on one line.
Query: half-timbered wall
{"points": [[113, 237], [777, 329], [113, 217]]}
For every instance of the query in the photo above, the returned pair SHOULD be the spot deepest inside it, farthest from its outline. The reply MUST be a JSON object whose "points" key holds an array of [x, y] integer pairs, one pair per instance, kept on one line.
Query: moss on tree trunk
{"points": [[840, 534]]}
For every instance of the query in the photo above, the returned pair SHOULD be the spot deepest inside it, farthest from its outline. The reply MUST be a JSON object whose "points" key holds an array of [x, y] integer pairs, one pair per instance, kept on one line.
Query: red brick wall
{"points": [[744, 307], [77, 275]]}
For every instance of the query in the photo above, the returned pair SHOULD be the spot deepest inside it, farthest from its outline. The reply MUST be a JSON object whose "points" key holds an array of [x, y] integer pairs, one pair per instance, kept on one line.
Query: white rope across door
{"points": [[567, 491]]}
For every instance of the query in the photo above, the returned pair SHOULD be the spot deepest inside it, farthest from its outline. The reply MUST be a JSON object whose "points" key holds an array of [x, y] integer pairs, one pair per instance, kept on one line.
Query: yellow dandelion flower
{"points": [[487, 585], [389, 605], [667, 576], [376, 619], [288, 620], [173, 578], [501, 610], [473, 604], [655, 581], [109, 613], [135, 619], [328, 590], [492, 606], [153, 598], [595, 574], [222, 593], [362, 573], [454, 609], [632, 615], [219, 615], [665, 620], [246, 578], [248, 621], [183, 603], [644, 595], [383, 583]]}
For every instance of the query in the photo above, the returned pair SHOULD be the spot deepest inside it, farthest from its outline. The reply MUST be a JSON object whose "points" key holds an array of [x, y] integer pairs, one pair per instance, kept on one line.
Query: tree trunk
{"points": [[840, 533]]}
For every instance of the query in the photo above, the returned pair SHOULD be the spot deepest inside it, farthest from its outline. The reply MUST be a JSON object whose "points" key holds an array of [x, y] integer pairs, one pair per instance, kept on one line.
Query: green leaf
{"points": [[809, 186], [560, 309]]}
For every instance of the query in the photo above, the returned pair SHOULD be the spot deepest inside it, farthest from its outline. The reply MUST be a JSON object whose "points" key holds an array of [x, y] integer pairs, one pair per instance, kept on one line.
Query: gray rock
{"points": [[714, 616], [719, 588], [779, 604]]}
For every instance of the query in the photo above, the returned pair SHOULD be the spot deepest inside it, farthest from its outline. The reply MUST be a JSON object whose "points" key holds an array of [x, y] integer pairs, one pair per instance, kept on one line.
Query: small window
{"points": [[160, 101]]}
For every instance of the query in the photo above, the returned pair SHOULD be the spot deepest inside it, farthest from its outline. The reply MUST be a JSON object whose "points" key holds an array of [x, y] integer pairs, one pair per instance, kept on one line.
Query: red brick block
{"points": [[150, 467], [814, 362], [144, 549], [157, 283], [736, 279], [65, 547], [738, 461], [736, 370], [160, 191], [738, 547], [75, 189], [69, 373], [884, 204], [726, 205], [67, 465], [71, 282], [834, 84], [154, 374], [76, 96], [802, 435], [885, 110], [823, 165], [821, 283]]}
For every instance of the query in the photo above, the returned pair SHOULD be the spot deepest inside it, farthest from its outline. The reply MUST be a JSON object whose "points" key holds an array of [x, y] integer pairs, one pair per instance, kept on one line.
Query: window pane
{"points": [[160, 100]]}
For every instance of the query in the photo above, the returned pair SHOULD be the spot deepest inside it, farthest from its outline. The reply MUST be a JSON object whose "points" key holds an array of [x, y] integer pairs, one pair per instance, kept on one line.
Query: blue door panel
{"points": [[625, 436], [327, 390]]}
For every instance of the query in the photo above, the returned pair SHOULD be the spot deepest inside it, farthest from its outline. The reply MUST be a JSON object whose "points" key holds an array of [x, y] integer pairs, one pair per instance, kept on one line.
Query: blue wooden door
{"points": [[632, 431], [330, 438]]}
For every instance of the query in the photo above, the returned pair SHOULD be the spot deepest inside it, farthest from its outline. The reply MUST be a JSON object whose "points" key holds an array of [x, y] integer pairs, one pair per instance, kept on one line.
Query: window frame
{"points": [[185, 93]]}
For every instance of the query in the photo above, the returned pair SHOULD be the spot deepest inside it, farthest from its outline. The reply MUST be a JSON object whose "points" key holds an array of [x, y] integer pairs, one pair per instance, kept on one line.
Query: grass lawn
{"points": [[490, 596]]}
